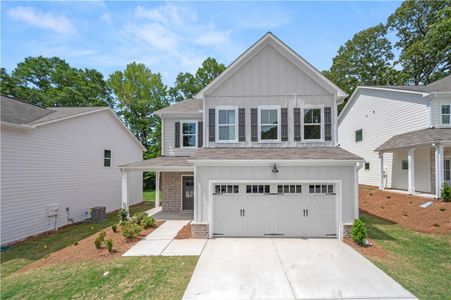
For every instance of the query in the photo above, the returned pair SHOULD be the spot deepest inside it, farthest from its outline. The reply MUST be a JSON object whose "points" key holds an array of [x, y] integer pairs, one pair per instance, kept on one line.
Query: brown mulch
{"points": [[86, 250], [374, 250], [405, 210], [184, 233]]}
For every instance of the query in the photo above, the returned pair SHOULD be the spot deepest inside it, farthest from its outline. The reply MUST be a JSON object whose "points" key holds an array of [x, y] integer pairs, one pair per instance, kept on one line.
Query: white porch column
{"points": [[124, 190], [411, 171], [439, 169], [157, 188], [381, 170]]}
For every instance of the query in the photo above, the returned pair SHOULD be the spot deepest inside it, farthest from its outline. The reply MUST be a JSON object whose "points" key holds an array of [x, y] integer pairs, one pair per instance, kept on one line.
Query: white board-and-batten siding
{"points": [[169, 148], [382, 114], [62, 164], [436, 111], [269, 78]]}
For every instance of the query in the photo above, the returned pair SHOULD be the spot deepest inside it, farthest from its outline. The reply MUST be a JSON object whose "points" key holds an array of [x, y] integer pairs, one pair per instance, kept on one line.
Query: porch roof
{"points": [[421, 137], [160, 163]]}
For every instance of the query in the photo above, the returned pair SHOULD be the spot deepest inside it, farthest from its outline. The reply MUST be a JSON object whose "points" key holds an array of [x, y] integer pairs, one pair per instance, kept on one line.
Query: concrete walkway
{"points": [[268, 268], [161, 242]]}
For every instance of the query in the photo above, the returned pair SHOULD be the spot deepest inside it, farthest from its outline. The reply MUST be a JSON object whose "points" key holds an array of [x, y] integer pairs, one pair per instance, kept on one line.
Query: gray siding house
{"points": [[255, 152], [57, 163]]}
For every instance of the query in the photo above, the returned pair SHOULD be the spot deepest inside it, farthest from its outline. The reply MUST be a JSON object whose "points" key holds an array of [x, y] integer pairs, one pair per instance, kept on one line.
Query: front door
{"points": [[187, 192], [447, 170]]}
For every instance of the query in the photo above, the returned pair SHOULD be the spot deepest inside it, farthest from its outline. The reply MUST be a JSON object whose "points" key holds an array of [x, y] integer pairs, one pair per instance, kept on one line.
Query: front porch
{"points": [[421, 161]]}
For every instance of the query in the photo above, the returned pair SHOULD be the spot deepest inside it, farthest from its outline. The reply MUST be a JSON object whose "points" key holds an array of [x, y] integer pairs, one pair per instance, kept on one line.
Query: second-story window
{"points": [[227, 125], [358, 135], [312, 127], [188, 136], [269, 124], [446, 114]]}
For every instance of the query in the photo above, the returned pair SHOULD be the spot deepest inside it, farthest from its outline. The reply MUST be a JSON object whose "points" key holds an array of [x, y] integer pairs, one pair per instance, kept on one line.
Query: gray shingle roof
{"points": [[442, 85], [334, 153], [416, 138], [18, 112], [162, 161], [185, 106], [22, 113]]}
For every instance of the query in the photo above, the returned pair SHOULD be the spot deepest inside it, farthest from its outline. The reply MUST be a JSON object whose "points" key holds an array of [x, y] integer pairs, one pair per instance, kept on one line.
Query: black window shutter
{"points": [[211, 125], [327, 123], [284, 121], [177, 134], [200, 134], [297, 123], [254, 136], [242, 125]]}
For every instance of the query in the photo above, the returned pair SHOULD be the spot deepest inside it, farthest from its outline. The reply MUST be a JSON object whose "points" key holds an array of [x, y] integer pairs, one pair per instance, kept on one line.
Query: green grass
{"points": [[36, 248], [419, 262], [149, 196], [128, 278]]}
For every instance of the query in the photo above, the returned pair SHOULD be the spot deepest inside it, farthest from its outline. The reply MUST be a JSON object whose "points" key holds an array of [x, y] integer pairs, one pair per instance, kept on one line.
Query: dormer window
{"points": [[269, 123], [446, 113], [312, 124], [227, 124], [189, 134]]}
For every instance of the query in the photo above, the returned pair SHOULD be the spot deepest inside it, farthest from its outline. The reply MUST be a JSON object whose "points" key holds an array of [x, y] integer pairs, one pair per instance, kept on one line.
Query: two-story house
{"points": [[403, 133], [255, 153]]}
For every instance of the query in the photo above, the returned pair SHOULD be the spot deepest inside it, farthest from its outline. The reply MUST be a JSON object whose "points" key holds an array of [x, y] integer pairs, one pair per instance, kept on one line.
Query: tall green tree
{"points": [[366, 59], [424, 31], [138, 93], [187, 85], [53, 82]]}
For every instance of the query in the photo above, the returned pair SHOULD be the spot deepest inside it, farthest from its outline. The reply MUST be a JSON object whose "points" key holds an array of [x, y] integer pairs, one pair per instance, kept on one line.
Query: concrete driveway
{"points": [[232, 268]]}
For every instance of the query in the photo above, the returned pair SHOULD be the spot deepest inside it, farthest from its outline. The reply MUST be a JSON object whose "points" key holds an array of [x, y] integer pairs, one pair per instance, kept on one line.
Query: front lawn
{"points": [[419, 262], [36, 248], [127, 278]]}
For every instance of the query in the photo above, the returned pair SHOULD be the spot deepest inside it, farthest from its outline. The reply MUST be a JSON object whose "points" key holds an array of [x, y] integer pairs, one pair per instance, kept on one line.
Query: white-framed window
{"points": [[226, 189], [312, 118], [269, 124], [227, 124], [188, 134], [446, 114], [258, 189], [107, 158], [289, 189]]}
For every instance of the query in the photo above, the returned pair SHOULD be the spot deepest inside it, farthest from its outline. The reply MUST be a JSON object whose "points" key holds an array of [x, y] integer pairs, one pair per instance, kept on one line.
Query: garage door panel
{"points": [[322, 216], [226, 215], [289, 219]]}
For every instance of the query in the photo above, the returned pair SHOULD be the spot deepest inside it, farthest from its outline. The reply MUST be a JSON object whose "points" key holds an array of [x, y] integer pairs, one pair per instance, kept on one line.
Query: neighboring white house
{"points": [[54, 159], [403, 133], [255, 153]]}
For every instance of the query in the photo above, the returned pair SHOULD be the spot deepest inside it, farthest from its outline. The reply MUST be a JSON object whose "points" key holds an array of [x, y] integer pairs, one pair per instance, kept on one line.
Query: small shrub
{"points": [[436, 225], [359, 232], [98, 242], [102, 235], [138, 217], [147, 222], [123, 215], [109, 245], [445, 193], [76, 243], [114, 227], [130, 229], [442, 209]]}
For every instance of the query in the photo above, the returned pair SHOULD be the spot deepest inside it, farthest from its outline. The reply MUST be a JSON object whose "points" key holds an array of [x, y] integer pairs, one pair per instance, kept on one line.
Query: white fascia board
{"points": [[271, 162], [69, 117], [14, 125], [162, 168], [179, 113]]}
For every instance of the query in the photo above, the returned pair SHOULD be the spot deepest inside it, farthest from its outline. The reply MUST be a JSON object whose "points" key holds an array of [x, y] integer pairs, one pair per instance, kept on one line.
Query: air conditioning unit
{"points": [[98, 213]]}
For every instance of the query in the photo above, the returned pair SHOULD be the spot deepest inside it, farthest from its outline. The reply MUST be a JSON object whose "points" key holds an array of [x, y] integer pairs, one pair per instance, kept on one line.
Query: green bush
{"points": [[147, 222], [114, 227], [123, 215], [130, 229], [102, 235], [98, 242], [109, 245], [138, 217], [359, 232], [445, 193]]}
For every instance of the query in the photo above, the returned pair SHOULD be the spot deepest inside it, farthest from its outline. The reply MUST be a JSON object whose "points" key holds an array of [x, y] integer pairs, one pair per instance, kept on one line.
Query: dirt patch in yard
{"points": [[405, 210], [184, 233], [86, 250]]}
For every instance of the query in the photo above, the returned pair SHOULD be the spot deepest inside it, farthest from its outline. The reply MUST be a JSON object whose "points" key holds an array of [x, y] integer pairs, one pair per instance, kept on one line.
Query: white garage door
{"points": [[290, 210]]}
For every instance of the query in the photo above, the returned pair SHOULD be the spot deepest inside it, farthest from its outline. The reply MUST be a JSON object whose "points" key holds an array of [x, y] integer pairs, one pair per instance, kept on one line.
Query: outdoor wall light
{"points": [[274, 169]]}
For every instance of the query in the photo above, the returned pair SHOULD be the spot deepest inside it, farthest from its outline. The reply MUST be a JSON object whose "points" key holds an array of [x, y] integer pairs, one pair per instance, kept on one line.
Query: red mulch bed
{"points": [[374, 250], [184, 233], [86, 250], [405, 210]]}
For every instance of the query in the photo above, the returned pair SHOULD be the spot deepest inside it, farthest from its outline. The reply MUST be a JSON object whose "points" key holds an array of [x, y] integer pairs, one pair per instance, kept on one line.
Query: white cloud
{"points": [[57, 23], [106, 17]]}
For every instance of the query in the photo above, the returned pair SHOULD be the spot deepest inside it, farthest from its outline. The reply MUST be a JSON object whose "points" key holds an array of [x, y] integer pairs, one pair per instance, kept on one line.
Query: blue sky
{"points": [[173, 37]]}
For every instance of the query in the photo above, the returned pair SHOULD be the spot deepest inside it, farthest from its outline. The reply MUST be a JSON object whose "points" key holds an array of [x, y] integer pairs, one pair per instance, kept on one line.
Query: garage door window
{"points": [[289, 189], [226, 189], [321, 189], [257, 189]]}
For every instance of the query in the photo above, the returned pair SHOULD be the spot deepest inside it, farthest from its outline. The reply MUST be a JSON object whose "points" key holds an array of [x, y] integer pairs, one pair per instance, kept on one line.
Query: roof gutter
{"points": [[265, 162], [14, 125]]}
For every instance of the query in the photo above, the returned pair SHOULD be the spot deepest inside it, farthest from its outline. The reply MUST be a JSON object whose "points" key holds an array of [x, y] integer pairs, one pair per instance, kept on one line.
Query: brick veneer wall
{"points": [[171, 187], [199, 230]]}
